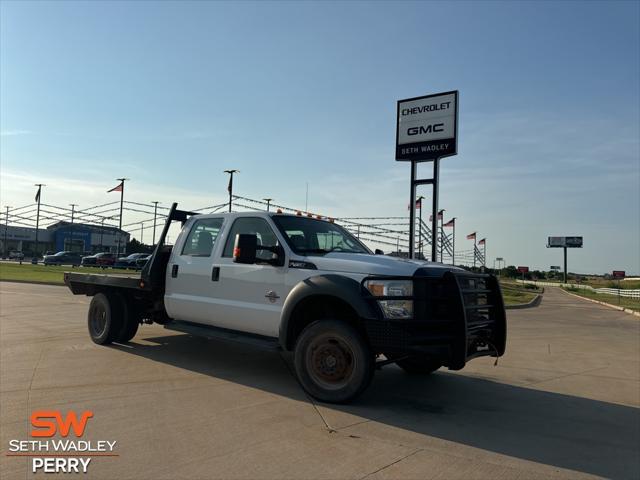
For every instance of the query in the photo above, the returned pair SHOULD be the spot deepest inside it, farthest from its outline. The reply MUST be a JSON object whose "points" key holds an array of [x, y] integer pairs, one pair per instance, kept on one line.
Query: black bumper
{"points": [[457, 317]]}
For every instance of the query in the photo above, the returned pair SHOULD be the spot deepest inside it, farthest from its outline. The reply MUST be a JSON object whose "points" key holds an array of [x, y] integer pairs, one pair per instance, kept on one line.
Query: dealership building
{"points": [[59, 236]]}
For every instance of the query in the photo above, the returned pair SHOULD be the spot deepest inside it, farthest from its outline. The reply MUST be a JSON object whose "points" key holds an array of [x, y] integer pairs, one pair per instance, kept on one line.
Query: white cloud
{"points": [[14, 133]]}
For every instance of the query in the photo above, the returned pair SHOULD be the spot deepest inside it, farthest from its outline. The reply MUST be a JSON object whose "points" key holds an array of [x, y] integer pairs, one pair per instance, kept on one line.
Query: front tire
{"points": [[104, 318], [333, 362]]}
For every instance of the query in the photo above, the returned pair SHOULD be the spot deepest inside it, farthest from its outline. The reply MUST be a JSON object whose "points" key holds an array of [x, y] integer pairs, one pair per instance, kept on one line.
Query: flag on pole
{"points": [[38, 193], [117, 188], [471, 236], [418, 204], [450, 223], [439, 216], [482, 242]]}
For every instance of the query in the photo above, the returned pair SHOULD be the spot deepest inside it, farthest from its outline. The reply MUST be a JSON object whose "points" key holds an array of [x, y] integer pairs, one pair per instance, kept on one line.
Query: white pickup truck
{"points": [[304, 285]]}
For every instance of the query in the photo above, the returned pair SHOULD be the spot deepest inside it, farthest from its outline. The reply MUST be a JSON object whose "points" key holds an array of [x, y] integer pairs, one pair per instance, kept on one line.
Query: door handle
{"points": [[174, 271], [215, 274]]}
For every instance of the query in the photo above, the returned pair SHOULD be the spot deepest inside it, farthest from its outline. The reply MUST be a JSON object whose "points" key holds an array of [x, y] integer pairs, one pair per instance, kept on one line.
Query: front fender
{"points": [[344, 288]]}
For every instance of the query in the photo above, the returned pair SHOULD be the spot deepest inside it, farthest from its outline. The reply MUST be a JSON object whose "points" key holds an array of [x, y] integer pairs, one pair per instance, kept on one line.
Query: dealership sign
{"points": [[564, 242], [427, 127], [523, 269], [618, 274]]}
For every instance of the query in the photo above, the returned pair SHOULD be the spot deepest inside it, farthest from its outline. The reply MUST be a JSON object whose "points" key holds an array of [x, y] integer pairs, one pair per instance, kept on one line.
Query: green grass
{"points": [[602, 283], [631, 303], [50, 274], [515, 293]]}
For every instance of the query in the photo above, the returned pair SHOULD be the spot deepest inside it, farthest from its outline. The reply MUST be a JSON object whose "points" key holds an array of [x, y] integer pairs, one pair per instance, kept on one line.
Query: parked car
{"points": [[130, 261], [89, 260], [16, 255], [63, 258], [105, 259], [142, 261]]}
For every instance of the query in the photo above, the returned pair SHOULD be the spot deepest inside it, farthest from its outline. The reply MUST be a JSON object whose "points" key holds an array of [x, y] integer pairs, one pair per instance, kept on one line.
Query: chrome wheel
{"points": [[97, 320]]}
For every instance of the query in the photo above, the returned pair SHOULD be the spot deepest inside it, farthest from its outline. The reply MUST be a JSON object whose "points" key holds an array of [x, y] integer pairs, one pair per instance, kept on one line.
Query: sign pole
{"points": [[412, 210], [434, 218], [565, 264]]}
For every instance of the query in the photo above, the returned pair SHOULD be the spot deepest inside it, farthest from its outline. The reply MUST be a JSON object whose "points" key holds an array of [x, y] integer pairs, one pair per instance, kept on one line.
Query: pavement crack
{"points": [[565, 376], [311, 401], [392, 463]]}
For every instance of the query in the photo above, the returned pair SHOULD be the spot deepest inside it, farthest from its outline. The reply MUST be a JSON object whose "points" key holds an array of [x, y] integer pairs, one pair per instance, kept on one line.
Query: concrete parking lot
{"points": [[562, 403]]}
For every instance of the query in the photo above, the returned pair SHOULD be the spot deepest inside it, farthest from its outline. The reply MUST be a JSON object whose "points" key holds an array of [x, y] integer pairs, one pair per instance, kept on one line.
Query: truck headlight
{"points": [[393, 309]]}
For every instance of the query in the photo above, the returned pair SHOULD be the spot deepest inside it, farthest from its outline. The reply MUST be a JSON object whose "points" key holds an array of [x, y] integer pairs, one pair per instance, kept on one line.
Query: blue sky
{"points": [[172, 93]]}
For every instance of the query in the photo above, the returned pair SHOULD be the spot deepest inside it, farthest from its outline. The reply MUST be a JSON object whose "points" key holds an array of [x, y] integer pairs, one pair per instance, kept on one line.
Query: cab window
{"points": [[257, 226], [202, 237]]}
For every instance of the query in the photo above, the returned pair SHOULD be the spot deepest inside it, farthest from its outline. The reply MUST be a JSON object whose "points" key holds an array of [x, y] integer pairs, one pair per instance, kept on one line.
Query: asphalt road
{"points": [[562, 403]]}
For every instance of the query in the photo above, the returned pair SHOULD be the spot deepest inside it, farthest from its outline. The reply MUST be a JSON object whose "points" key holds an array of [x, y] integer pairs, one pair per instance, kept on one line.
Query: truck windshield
{"points": [[309, 236]]}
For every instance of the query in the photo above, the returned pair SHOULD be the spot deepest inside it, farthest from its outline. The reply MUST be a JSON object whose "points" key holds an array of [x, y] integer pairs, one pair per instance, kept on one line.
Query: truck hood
{"points": [[374, 264]]}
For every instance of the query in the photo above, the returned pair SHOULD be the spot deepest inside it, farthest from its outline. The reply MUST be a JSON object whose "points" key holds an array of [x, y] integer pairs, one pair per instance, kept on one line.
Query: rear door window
{"points": [[202, 237]]}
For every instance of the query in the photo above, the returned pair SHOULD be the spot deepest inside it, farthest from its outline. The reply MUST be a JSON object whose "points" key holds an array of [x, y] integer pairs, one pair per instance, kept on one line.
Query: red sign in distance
{"points": [[618, 274], [523, 269]]}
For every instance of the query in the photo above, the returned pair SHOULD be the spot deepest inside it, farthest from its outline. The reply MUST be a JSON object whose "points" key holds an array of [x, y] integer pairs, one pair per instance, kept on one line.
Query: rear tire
{"points": [[104, 318], [130, 320], [333, 362], [419, 365]]}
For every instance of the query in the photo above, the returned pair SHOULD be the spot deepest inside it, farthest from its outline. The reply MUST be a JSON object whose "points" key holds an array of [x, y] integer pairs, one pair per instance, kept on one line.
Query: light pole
{"points": [[141, 233], [155, 213], [230, 186], [73, 211], [34, 259], [6, 228], [268, 200]]}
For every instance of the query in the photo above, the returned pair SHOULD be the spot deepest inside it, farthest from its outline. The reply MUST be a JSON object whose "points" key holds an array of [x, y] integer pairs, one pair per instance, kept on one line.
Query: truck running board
{"points": [[257, 341]]}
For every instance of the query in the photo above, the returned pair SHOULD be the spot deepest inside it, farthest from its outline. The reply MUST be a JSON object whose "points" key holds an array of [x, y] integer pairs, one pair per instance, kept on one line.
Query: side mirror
{"points": [[379, 252], [244, 249]]}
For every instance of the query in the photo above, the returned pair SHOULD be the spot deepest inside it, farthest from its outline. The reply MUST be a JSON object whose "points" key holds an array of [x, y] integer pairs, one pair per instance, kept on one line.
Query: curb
{"points": [[615, 307], [533, 303]]}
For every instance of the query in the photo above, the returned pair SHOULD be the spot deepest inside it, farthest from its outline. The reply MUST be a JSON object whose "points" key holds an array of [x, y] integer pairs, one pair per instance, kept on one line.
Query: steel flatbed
{"points": [[82, 283]]}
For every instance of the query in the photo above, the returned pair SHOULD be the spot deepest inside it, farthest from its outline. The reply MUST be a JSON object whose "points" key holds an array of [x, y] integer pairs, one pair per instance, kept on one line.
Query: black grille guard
{"points": [[462, 309]]}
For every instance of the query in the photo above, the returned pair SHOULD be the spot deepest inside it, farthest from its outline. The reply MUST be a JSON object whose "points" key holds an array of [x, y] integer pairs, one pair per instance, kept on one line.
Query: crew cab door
{"points": [[250, 297], [191, 276]]}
